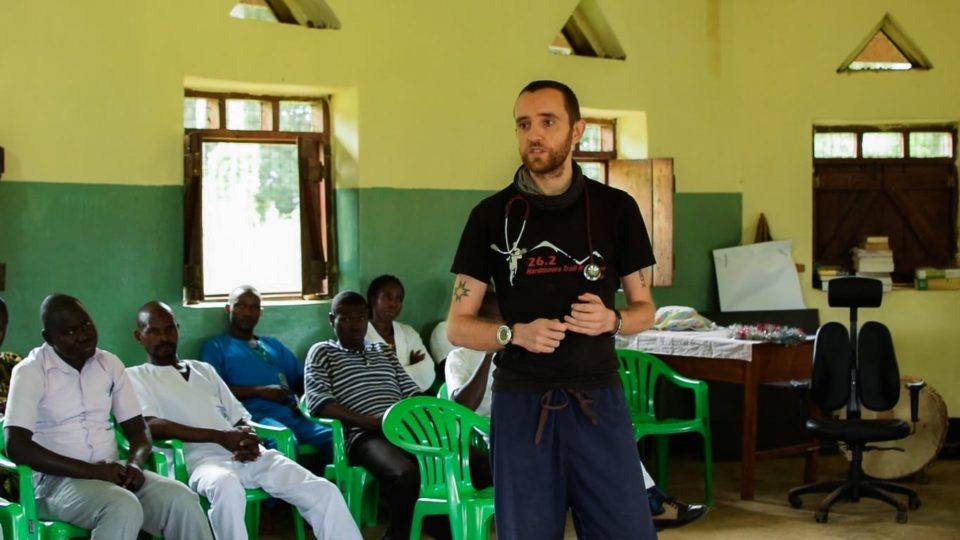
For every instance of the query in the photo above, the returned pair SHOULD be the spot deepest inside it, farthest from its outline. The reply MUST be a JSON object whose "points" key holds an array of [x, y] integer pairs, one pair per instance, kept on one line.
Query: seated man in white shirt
{"points": [[58, 423], [469, 379], [187, 400]]}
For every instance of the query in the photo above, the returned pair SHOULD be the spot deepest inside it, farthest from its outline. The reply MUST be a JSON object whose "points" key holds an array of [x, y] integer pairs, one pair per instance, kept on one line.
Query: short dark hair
{"points": [[570, 101], [346, 298], [379, 283]]}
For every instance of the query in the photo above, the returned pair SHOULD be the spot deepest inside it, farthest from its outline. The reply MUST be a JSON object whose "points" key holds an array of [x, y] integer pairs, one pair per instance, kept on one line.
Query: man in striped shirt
{"points": [[355, 381]]}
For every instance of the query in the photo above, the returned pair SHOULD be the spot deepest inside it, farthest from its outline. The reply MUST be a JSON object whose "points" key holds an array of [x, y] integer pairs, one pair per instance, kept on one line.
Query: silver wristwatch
{"points": [[504, 335]]}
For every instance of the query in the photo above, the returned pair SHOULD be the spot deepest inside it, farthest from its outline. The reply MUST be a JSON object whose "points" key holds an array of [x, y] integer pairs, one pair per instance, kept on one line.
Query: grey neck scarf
{"points": [[528, 187]]}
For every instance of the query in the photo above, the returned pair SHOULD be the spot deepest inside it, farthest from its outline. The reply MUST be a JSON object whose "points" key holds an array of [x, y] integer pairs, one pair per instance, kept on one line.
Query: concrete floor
{"points": [[770, 517]]}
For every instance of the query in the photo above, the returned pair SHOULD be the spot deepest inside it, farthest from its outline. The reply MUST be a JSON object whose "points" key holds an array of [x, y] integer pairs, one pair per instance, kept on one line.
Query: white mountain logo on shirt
{"points": [[515, 254]]}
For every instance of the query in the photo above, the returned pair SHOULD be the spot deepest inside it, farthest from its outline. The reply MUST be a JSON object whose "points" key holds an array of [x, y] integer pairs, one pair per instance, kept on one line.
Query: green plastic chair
{"points": [[19, 521], [639, 373], [359, 488], [283, 438], [435, 387], [438, 432], [442, 392]]}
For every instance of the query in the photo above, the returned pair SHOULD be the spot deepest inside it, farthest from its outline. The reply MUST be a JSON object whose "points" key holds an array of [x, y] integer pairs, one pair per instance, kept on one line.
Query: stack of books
{"points": [[937, 279], [874, 259], [827, 273]]}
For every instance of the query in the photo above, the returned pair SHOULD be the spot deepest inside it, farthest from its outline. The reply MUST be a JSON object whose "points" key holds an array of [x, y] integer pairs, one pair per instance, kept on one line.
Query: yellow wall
{"points": [[100, 83], [90, 92], [784, 57]]}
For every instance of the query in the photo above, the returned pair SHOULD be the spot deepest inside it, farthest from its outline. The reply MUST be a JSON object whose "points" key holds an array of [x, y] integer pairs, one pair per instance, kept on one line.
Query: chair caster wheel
{"points": [[901, 517], [821, 517], [795, 501], [914, 502]]}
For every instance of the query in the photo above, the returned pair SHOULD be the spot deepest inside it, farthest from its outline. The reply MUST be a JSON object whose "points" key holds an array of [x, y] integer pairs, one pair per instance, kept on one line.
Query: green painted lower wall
{"points": [[413, 234], [704, 222], [116, 247]]}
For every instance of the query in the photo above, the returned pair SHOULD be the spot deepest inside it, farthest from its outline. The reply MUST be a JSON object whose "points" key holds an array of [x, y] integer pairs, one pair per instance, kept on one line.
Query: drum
{"points": [[920, 447]]}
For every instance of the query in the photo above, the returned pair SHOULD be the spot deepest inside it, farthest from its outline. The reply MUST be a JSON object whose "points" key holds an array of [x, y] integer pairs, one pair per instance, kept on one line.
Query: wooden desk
{"points": [[769, 363]]}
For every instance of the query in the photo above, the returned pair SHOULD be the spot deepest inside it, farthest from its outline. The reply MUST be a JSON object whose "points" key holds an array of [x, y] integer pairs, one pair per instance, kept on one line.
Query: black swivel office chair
{"points": [[854, 369]]}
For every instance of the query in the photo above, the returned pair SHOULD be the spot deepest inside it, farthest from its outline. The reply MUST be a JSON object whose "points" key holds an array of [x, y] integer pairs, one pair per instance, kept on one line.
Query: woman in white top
{"points": [[385, 297]]}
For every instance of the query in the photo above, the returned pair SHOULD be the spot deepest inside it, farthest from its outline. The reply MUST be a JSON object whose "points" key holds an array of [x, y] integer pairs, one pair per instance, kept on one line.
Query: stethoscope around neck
{"points": [[591, 271]]}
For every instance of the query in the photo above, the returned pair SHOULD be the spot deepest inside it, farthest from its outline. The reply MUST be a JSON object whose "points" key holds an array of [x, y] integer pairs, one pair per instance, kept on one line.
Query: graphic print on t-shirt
{"points": [[545, 258]]}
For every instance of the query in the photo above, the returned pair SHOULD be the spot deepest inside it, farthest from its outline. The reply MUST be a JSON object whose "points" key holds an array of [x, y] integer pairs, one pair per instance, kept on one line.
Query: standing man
{"points": [[557, 247], [261, 372]]}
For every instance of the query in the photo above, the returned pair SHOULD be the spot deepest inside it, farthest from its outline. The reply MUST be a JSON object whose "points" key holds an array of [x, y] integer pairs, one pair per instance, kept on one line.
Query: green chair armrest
{"points": [[482, 425], [339, 436], [9, 466], [283, 437], [25, 481], [158, 461], [336, 426], [179, 459], [700, 391]]}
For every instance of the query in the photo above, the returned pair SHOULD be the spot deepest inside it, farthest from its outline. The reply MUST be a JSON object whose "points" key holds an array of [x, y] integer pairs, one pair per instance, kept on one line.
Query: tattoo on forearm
{"points": [[461, 290]]}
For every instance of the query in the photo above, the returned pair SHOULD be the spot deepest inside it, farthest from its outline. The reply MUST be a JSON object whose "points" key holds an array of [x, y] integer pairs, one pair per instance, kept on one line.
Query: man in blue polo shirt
{"points": [[261, 372]]}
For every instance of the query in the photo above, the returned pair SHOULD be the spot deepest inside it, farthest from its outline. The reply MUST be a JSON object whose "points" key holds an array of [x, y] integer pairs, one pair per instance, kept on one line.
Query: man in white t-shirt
{"points": [[469, 378], [187, 400]]}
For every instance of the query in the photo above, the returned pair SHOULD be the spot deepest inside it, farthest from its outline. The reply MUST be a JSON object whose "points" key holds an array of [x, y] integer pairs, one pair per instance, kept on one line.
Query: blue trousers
{"points": [[591, 469]]}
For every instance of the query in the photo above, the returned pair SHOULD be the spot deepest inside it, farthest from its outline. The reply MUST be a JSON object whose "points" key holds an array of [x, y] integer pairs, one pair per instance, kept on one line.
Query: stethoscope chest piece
{"points": [[592, 272]]}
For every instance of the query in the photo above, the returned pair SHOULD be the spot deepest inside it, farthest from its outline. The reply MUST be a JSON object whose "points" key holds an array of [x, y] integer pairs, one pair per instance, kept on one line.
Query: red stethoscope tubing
{"points": [[526, 214]]}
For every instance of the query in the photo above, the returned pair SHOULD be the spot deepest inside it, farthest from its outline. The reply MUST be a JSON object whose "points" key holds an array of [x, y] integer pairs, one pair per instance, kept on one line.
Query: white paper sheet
{"points": [[758, 277]]}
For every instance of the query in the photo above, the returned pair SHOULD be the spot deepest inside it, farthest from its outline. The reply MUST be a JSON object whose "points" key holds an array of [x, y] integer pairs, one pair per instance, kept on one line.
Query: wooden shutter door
{"points": [[192, 218], [313, 228], [651, 183]]}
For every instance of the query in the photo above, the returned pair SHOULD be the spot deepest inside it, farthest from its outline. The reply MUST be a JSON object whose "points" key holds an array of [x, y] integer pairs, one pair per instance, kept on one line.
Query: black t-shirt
{"points": [[547, 279]]}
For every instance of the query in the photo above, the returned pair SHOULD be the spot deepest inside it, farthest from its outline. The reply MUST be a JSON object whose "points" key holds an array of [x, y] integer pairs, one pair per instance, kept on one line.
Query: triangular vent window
{"points": [[587, 33], [309, 13], [886, 48]]}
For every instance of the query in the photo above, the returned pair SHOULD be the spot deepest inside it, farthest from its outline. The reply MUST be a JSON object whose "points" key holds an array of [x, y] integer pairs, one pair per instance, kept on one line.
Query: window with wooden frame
{"points": [[258, 197], [898, 181], [649, 181]]}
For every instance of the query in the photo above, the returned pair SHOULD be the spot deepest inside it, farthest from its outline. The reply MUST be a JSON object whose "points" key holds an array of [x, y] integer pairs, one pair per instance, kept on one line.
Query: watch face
{"points": [[504, 334]]}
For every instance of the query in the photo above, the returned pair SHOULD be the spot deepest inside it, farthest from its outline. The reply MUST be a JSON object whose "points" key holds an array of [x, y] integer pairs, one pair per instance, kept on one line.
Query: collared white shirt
{"points": [[67, 410], [203, 401], [406, 339], [461, 363]]}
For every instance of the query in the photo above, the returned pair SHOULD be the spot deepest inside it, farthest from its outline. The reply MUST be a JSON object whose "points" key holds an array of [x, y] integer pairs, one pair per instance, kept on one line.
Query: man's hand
{"points": [[373, 425], [242, 441], [540, 336], [234, 439], [133, 478], [590, 316], [416, 356], [275, 393], [110, 471], [247, 452]]}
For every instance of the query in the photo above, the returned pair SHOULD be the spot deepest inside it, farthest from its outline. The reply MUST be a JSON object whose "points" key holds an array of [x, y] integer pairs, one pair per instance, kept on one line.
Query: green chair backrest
{"points": [[442, 392], [436, 431], [639, 373]]}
